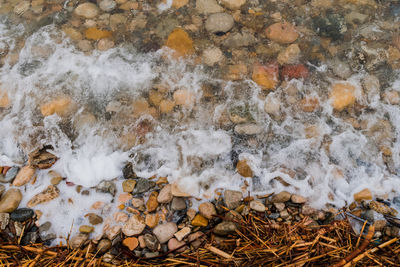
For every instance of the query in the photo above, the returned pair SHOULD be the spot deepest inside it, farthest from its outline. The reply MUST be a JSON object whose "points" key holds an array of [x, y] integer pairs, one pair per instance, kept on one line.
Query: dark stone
{"points": [[143, 185], [128, 172], [225, 228], [332, 26], [29, 238], [274, 216], [151, 242], [21, 215], [45, 227]]}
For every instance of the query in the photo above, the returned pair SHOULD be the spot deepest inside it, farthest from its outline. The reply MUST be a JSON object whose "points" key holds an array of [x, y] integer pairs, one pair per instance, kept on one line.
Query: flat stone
{"points": [[248, 129], [232, 199], [240, 39], [244, 169], [87, 229], [151, 220], [281, 197], [207, 209], [199, 220], [21, 215], [364, 194], [181, 234], [134, 226], [50, 193], [165, 195], [266, 76], [257, 205], [196, 239], [181, 42], [128, 185], [233, 4], [94, 219], [165, 232], [298, 199], [173, 244], [107, 5], [143, 185]]}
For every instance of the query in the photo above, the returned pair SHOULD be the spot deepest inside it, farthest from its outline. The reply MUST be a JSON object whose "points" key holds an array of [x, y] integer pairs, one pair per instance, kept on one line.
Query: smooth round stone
{"points": [[219, 22], [21, 215], [107, 5], [10, 175]]}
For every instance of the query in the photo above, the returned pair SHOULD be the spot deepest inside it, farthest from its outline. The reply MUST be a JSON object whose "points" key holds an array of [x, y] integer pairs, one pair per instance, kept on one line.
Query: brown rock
{"points": [[364, 194], [94, 218], [121, 217], [382, 208], [96, 34], [199, 220], [179, 3], [151, 220], [87, 10], [281, 197], [105, 44], [165, 232], [10, 200], [181, 42], [266, 76], [176, 191], [290, 55], [62, 106], [130, 242], [342, 95], [207, 209], [134, 226], [184, 97], [165, 195], [196, 239], [152, 203], [244, 169], [4, 100], [173, 244], [24, 175], [78, 240], [41, 159], [128, 185], [181, 234], [282, 32], [298, 199], [86, 229], [167, 106], [50, 193]]}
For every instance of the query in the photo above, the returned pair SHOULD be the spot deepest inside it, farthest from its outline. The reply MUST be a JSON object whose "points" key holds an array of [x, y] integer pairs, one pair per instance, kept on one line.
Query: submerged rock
{"points": [[219, 23], [87, 10]]}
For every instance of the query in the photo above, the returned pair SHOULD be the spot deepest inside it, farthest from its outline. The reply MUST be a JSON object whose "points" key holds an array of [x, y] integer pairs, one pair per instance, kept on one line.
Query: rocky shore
{"points": [[305, 91]]}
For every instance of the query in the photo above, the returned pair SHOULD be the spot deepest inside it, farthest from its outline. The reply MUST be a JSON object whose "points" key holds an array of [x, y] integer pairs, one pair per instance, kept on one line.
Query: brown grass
{"points": [[257, 242]]}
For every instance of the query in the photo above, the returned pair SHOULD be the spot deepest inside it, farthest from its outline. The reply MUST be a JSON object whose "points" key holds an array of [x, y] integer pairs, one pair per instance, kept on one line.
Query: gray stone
{"points": [[165, 27], [151, 242], [165, 232], [10, 175], [219, 23], [237, 40], [107, 5], [208, 6], [225, 228], [107, 187], [232, 199], [78, 240], [178, 203], [340, 68], [143, 185], [279, 206]]}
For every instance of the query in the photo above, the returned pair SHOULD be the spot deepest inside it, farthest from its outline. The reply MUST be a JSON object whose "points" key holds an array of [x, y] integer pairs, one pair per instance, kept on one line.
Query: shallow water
{"points": [[324, 155]]}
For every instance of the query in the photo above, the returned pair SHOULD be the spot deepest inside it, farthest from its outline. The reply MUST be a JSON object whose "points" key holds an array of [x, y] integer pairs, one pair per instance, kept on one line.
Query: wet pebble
{"points": [[232, 199], [22, 214], [165, 232], [151, 242], [143, 185], [225, 228], [104, 246], [10, 200], [107, 187], [10, 175]]}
